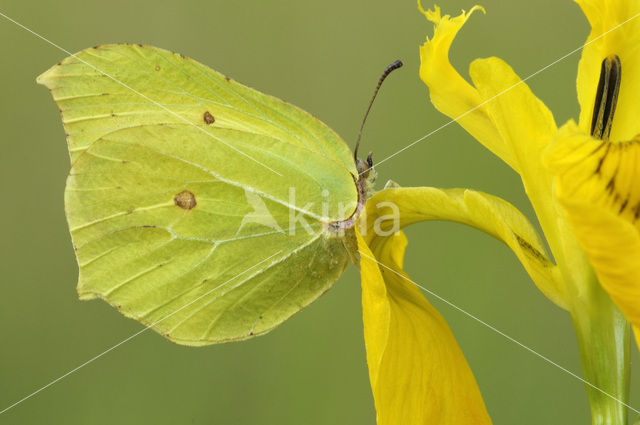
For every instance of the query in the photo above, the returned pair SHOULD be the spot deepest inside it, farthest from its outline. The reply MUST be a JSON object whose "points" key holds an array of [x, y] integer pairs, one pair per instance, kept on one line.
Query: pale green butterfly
{"points": [[198, 206]]}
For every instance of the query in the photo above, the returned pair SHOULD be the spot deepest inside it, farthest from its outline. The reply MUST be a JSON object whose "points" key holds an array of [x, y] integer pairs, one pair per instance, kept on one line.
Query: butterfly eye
{"points": [[370, 159]]}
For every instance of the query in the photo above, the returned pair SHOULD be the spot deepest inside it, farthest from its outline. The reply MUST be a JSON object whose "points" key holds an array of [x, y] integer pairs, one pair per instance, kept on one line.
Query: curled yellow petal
{"points": [[527, 126], [615, 30], [418, 372], [487, 213], [449, 92], [597, 184]]}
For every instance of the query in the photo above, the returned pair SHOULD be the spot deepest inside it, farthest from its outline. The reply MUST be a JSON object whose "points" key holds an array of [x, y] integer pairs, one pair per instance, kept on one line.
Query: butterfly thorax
{"points": [[346, 229], [364, 184]]}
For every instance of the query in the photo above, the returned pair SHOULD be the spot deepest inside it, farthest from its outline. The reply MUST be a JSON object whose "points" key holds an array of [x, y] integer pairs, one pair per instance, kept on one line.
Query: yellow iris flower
{"points": [[582, 180]]}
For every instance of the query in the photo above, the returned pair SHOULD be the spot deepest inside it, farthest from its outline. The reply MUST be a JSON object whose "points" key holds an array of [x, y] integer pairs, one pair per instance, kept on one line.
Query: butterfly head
{"points": [[366, 175]]}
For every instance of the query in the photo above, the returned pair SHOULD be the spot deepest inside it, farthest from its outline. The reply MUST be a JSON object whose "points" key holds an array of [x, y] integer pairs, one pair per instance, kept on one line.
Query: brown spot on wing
{"points": [[185, 200], [208, 118]]}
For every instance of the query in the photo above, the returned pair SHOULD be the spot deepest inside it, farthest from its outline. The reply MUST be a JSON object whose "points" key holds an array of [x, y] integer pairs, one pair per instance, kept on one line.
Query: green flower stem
{"points": [[603, 339]]}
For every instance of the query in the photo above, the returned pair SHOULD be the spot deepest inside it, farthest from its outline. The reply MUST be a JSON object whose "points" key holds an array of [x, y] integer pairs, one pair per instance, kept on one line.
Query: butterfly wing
{"points": [[207, 233]]}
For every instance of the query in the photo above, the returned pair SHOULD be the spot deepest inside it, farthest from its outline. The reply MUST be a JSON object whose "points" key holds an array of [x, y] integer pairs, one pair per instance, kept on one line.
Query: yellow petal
{"points": [[488, 213], [604, 41], [418, 373], [597, 184], [449, 92], [527, 126]]}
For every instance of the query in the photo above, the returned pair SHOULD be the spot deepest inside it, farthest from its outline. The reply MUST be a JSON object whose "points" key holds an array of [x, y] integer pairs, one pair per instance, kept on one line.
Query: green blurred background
{"points": [[326, 58]]}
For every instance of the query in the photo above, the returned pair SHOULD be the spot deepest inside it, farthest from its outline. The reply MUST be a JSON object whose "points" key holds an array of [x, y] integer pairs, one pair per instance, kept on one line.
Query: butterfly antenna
{"points": [[397, 64]]}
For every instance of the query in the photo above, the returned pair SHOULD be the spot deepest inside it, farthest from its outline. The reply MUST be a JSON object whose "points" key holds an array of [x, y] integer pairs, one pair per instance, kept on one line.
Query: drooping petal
{"points": [[615, 30], [487, 213], [597, 183], [418, 372], [450, 93], [526, 125]]}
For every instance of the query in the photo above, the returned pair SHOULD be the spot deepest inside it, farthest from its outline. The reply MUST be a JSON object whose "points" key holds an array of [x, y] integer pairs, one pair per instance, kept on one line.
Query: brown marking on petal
{"points": [[623, 206], [611, 186], [185, 200], [208, 118], [620, 194], [524, 244], [157, 68], [604, 156]]}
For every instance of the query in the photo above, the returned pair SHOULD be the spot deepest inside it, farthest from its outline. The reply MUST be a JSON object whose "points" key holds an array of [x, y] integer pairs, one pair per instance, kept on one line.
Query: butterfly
{"points": [[198, 206]]}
